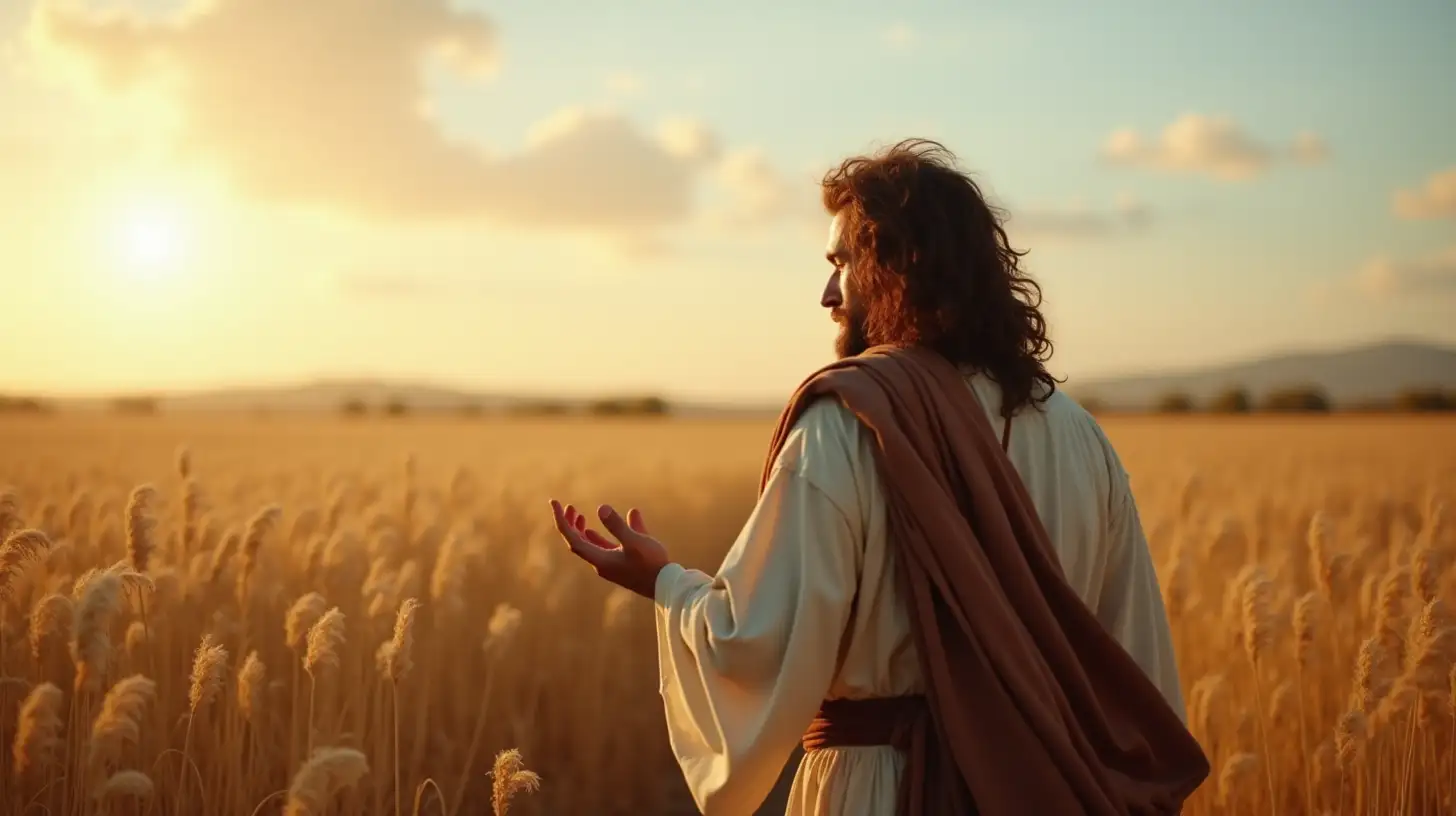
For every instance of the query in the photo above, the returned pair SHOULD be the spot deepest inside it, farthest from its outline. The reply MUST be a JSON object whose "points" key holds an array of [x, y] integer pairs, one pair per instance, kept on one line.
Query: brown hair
{"points": [[934, 268]]}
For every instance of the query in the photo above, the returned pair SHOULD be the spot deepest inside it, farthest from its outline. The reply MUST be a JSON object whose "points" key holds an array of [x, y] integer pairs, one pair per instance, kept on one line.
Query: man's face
{"points": [[839, 294]]}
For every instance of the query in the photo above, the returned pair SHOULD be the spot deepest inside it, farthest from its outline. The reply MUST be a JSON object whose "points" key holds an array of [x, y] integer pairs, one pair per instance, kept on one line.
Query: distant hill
{"points": [[1350, 376], [331, 395]]}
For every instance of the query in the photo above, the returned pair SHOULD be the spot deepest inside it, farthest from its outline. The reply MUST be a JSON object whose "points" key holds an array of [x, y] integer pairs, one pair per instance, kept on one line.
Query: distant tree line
{"points": [[1292, 399], [25, 405], [636, 406]]}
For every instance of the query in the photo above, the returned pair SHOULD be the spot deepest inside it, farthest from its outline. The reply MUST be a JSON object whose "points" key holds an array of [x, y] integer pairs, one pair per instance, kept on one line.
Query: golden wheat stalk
{"points": [[509, 777], [324, 640], [139, 527]]}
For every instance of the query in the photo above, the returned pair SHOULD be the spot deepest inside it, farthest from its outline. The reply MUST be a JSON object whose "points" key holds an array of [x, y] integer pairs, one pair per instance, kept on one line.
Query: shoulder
{"points": [[825, 437], [1062, 409]]}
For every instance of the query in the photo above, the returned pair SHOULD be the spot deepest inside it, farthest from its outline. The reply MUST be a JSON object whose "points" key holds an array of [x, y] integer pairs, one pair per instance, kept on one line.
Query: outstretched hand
{"points": [[632, 562]]}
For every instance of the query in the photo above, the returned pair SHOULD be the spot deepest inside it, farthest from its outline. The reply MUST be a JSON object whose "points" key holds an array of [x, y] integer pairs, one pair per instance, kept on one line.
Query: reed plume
{"points": [[120, 721], [302, 616], [125, 785], [262, 523], [394, 656], [91, 643], [38, 728], [19, 549], [51, 617], [139, 527], [324, 639], [327, 771], [509, 777], [251, 687], [209, 665]]}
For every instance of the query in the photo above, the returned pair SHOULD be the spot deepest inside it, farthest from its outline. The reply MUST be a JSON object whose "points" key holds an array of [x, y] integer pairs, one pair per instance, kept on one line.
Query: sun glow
{"points": [[153, 240]]}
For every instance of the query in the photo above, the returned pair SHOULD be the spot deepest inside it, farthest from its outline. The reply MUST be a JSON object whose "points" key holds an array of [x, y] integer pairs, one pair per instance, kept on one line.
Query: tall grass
{"points": [[310, 617]]}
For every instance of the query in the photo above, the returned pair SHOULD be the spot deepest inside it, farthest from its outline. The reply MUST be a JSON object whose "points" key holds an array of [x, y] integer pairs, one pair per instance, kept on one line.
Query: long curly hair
{"points": [[933, 267]]}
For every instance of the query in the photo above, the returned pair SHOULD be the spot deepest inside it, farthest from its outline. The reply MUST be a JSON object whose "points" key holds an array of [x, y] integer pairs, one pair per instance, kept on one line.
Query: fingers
{"points": [[587, 544], [618, 527], [574, 517], [568, 524], [634, 520]]}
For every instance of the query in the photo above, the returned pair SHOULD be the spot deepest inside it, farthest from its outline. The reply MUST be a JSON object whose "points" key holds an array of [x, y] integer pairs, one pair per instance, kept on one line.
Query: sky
{"points": [[587, 198]]}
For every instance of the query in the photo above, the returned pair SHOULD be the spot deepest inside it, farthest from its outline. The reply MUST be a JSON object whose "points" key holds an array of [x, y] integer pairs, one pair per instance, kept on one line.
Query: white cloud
{"points": [[689, 139], [1436, 199], [1432, 275], [324, 103], [1212, 146], [760, 194], [1079, 220]]}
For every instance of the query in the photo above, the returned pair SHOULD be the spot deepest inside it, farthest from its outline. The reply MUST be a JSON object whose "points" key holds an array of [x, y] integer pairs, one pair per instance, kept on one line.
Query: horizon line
{"points": [[528, 394]]}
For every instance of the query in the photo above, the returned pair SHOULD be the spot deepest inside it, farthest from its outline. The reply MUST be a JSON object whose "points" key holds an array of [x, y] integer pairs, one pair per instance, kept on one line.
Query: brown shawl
{"points": [[1033, 707]]}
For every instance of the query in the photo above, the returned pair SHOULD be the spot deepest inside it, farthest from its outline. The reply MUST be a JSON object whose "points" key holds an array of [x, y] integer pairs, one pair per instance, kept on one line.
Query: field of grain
{"points": [[209, 604]]}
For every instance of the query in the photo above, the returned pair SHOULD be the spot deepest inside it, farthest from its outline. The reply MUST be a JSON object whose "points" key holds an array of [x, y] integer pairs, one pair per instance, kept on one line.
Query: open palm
{"points": [[632, 562]]}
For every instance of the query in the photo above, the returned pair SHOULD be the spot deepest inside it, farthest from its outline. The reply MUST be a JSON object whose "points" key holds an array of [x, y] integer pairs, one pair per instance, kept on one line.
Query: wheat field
{"points": [[310, 616]]}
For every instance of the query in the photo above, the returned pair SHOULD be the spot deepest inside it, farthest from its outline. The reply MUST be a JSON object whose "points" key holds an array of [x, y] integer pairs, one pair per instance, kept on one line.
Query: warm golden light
{"points": [[153, 240]]}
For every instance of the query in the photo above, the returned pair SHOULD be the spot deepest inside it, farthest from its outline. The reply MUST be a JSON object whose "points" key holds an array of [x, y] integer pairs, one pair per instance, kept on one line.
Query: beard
{"points": [[853, 339]]}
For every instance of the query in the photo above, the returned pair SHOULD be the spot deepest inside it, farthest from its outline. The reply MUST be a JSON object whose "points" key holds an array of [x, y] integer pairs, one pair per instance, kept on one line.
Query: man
{"points": [[944, 591]]}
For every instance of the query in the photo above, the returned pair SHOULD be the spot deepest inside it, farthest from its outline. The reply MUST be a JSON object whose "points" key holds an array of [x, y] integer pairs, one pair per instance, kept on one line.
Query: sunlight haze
{"points": [[572, 198]]}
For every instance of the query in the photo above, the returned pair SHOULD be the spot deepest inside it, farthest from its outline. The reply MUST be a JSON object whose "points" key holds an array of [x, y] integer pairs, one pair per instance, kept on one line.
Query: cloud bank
{"points": [[1427, 276], [1078, 220], [1215, 147], [1435, 199], [324, 102]]}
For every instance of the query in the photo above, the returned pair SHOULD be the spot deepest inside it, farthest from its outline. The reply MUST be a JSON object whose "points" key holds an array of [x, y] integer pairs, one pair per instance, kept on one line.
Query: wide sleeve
{"points": [[1131, 603], [747, 656]]}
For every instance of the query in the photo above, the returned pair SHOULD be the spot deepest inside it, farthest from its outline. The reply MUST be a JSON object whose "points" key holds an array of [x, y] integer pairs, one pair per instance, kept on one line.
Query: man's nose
{"points": [[832, 298]]}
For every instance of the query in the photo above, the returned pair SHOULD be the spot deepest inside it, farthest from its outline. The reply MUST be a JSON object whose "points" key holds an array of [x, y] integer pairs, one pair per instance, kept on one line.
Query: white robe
{"points": [[746, 656]]}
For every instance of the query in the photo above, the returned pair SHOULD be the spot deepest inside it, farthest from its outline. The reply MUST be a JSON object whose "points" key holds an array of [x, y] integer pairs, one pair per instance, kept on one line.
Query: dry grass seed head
{"points": [[508, 778], [326, 772], [1236, 769], [302, 615], [1390, 606], [209, 664], [91, 642], [38, 728], [52, 616], [139, 527], [324, 640], [9, 512], [120, 720], [251, 687], [395, 655], [449, 572], [223, 553], [1426, 570], [18, 550], [124, 785], [1257, 615], [1350, 737], [137, 637], [505, 622]]}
